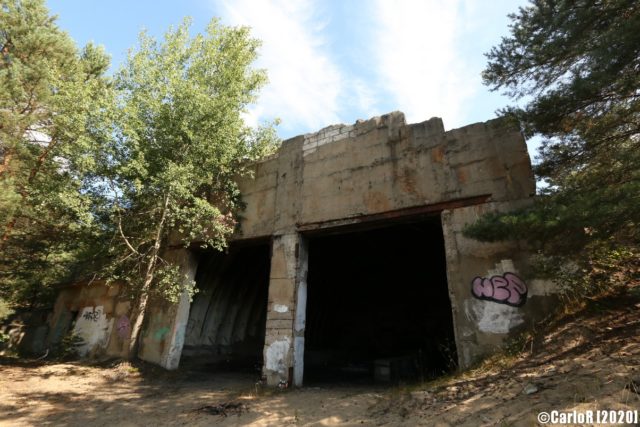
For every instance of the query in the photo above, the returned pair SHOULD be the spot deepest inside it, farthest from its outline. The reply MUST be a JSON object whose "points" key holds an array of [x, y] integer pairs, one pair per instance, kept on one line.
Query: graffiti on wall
{"points": [[93, 328], [160, 333], [507, 289], [92, 315], [123, 326]]}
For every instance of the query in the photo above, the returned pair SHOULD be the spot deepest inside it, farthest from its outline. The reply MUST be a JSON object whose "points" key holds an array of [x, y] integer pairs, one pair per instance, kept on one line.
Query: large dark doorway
{"points": [[378, 306], [226, 327]]}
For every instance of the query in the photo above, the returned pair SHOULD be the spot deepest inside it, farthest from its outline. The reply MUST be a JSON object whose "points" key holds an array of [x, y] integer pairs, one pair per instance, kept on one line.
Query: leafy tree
{"points": [[575, 65], [180, 144], [52, 99]]}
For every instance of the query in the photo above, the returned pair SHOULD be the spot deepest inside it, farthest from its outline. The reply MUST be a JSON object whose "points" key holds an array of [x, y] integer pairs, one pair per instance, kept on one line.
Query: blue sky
{"points": [[332, 61]]}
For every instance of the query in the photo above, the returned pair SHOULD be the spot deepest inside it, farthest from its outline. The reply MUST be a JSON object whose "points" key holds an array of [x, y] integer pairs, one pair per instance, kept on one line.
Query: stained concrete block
{"points": [[165, 324], [94, 307], [122, 308], [113, 290], [94, 328], [285, 310], [407, 165], [487, 307]]}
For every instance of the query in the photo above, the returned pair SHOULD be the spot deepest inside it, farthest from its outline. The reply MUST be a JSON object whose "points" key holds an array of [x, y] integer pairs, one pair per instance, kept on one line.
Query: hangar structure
{"points": [[351, 260]]}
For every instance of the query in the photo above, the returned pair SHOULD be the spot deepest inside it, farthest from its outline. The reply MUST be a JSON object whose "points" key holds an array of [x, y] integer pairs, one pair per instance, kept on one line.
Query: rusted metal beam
{"points": [[398, 215]]}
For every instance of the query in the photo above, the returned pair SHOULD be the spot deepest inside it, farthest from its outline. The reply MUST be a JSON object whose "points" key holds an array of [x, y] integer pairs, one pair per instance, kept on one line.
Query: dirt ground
{"points": [[589, 361]]}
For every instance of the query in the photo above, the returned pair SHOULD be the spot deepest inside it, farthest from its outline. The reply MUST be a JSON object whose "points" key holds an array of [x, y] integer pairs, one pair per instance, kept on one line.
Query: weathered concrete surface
{"points": [[165, 324], [95, 312], [300, 312], [385, 168], [482, 325], [26, 331], [381, 165], [379, 170], [284, 343], [227, 316]]}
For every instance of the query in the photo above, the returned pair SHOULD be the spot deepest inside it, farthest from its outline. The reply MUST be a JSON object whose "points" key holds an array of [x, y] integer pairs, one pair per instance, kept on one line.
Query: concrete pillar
{"points": [[300, 313], [483, 323], [286, 310], [188, 263]]}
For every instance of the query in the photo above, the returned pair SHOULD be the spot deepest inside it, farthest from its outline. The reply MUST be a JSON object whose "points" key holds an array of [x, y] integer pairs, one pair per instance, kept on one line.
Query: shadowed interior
{"points": [[378, 305], [226, 327]]}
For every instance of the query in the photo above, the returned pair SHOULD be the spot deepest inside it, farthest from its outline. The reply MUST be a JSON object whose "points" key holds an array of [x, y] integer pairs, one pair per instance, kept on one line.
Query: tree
{"points": [[52, 98], [576, 64], [180, 144]]}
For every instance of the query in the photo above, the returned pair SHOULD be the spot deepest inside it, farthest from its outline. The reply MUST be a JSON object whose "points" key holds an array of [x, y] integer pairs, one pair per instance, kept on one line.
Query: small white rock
{"points": [[530, 389]]}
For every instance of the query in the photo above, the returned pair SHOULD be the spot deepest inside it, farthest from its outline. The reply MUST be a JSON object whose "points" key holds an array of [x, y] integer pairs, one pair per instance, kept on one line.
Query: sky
{"points": [[332, 61]]}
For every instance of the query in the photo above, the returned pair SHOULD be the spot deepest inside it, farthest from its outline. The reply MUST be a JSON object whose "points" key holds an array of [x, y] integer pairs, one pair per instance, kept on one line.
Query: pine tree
{"points": [[575, 65], [52, 101]]}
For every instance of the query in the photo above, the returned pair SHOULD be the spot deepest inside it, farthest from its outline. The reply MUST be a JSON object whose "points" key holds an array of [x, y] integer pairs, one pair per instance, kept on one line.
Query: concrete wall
{"points": [[96, 313], [164, 328], [378, 170], [100, 315], [27, 332], [493, 293], [380, 165]]}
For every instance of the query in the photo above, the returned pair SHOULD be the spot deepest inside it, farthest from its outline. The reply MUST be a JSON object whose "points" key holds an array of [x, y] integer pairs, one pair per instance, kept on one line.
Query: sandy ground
{"points": [[585, 363]]}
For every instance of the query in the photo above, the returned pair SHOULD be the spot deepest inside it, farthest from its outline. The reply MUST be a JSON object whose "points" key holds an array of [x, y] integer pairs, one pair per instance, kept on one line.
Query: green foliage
{"points": [[52, 101], [180, 143], [575, 63], [599, 269], [170, 284], [116, 170]]}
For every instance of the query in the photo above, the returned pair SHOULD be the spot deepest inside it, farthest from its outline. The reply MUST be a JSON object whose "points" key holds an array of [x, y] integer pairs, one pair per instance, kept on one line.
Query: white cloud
{"points": [[360, 97], [415, 56], [304, 83]]}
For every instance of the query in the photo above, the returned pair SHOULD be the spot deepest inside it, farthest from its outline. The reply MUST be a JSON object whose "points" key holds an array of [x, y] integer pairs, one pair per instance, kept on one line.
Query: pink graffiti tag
{"points": [[123, 326], [506, 289]]}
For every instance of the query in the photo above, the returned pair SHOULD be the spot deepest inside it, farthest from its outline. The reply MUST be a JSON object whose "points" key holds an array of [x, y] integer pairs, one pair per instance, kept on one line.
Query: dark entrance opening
{"points": [[226, 327], [378, 306]]}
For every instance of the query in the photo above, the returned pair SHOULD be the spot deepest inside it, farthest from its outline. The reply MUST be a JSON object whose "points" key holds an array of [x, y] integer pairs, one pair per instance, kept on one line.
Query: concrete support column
{"points": [[494, 292], [188, 263], [166, 323], [284, 338]]}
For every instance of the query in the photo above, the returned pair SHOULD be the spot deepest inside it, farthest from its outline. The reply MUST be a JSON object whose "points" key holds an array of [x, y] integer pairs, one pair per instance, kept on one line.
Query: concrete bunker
{"points": [[226, 326], [378, 304], [310, 231]]}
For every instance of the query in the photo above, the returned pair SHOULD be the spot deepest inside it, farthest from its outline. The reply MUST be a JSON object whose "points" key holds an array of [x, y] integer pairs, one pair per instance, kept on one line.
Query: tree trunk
{"points": [[134, 340], [140, 310], [4, 167]]}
